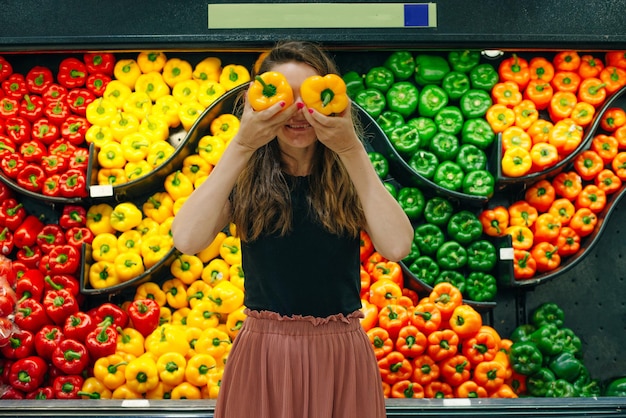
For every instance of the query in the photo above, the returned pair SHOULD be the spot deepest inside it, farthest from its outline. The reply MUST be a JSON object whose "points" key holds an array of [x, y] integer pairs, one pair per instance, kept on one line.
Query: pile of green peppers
{"points": [[550, 356], [432, 110]]}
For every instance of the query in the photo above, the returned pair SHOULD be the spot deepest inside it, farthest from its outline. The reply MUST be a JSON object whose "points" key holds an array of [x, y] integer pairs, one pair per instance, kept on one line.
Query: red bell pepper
{"points": [[38, 79], [73, 216], [21, 344], [64, 259], [18, 268], [45, 131], [62, 147], [31, 178], [77, 326], [102, 341], [145, 315], [78, 235], [9, 107], [54, 164], [12, 214], [30, 315], [7, 307], [30, 285], [80, 159], [12, 393], [41, 393], [99, 62], [5, 370], [7, 147], [33, 150], [67, 387], [31, 107], [29, 373], [26, 233], [7, 242], [14, 87], [109, 314], [62, 281], [18, 129], [78, 99], [6, 69], [72, 73], [74, 128], [59, 304], [56, 111], [50, 236], [71, 356], [51, 187], [73, 183], [53, 93], [47, 339], [12, 164], [44, 264], [97, 83], [29, 256]]}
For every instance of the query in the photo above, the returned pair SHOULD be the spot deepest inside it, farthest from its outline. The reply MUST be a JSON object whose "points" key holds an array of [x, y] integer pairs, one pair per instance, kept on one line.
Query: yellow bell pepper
{"points": [[152, 84], [237, 276], [147, 228], [171, 368], [202, 316], [208, 69], [165, 316], [152, 356], [176, 70], [187, 268], [230, 250], [199, 181], [149, 61], [129, 241], [123, 123], [234, 321], [127, 71], [150, 290], [110, 155], [198, 367], [158, 153], [221, 362], [215, 381], [186, 391], [124, 392], [130, 341], [98, 135], [186, 91], [213, 249], [215, 271], [158, 207], [154, 249], [98, 218], [192, 334], [161, 391], [128, 265], [179, 204], [179, 316], [138, 104], [210, 148], [116, 92], [135, 170], [213, 342], [167, 338], [135, 147], [167, 107], [165, 228], [226, 297], [104, 247], [102, 275], [125, 216], [198, 292], [232, 229], [112, 176], [94, 389], [141, 374], [101, 112], [195, 166], [209, 91], [175, 294], [178, 185], [189, 112], [234, 75], [155, 128], [110, 370], [225, 126]]}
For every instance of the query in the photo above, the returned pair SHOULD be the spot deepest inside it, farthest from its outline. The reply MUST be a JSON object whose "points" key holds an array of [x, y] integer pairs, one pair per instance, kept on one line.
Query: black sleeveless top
{"points": [[309, 271]]}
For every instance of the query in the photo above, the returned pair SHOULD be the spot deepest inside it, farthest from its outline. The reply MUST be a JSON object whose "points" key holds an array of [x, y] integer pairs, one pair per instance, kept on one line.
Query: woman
{"points": [[299, 186]]}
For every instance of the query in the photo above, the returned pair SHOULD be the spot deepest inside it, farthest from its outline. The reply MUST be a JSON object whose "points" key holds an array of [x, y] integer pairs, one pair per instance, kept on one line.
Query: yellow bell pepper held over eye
{"points": [[102, 275], [149, 61], [171, 368], [225, 126], [154, 249], [209, 91], [125, 216], [112, 176], [158, 153], [159, 206], [98, 218], [128, 265], [189, 112], [155, 128], [175, 293], [110, 155], [326, 94], [226, 297], [150, 290], [167, 338], [187, 268], [210, 148], [198, 367], [101, 112], [127, 71], [135, 170], [98, 135], [233, 75], [176, 70], [167, 107], [208, 69], [116, 92], [186, 91], [123, 124], [202, 316], [197, 292], [213, 249], [230, 250], [216, 271], [178, 185], [268, 89], [141, 374], [135, 147], [110, 370], [138, 104], [104, 247]]}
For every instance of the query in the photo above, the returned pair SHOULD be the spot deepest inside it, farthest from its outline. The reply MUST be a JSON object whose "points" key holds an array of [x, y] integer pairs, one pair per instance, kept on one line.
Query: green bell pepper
{"points": [[438, 211], [475, 103], [525, 358], [426, 129], [561, 388], [479, 183], [456, 84], [389, 120], [477, 132], [430, 69], [449, 175], [464, 227], [453, 277], [449, 120], [565, 366], [425, 269], [405, 139], [432, 99], [355, 82], [401, 64], [391, 188], [424, 163], [429, 238], [481, 287], [372, 101], [572, 342], [522, 333], [451, 256], [379, 78], [464, 60], [585, 385], [412, 202], [380, 163], [484, 77], [444, 146], [547, 339], [471, 158], [402, 97], [548, 313], [539, 383], [615, 387], [413, 254], [481, 255]]}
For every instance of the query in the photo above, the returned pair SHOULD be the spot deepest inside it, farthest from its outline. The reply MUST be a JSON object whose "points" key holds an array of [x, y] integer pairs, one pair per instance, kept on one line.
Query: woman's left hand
{"points": [[336, 132]]}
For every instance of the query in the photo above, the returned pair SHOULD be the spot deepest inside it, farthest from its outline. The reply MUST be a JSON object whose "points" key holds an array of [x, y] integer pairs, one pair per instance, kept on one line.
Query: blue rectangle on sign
{"points": [[416, 15]]}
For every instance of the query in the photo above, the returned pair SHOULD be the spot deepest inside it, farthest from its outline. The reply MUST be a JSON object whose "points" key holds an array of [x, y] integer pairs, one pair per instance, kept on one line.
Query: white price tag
{"points": [[135, 403], [105, 190], [506, 253]]}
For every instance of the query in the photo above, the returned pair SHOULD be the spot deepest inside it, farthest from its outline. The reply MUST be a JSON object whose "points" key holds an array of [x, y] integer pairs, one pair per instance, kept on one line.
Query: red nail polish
{"points": [[282, 104], [300, 105], [311, 111]]}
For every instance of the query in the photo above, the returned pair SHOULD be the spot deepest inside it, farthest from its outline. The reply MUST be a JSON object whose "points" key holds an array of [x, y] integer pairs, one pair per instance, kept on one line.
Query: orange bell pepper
{"points": [[500, 117], [592, 91], [583, 113], [566, 136], [504, 391], [425, 370], [465, 321], [470, 389], [540, 194], [481, 347], [546, 256], [563, 210], [370, 315], [568, 241], [605, 146], [514, 136], [619, 165], [394, 367], [438, 390], [490, 375], [539, 131], [426, 317], [614, 78], [494, 221], [380, 341], [524, 265], [507, 93], [525, 114], [567, 81], [386, 389], [588, 164], [566, 61], [384, 292], [561, 105], [372, 260], [516, 162], [522, 213], [517, 382], [393, 318], [442, 344], [620, 135], [366, 281], [583, 222], [455, 370], [539, 92], [515, 69], [541, 69], [411, 294], [616, 58], [367, 246], [608, 181], [567, 184], [613, 118], [546, 228], [590, 66], [407, 389], [446, 298], [543, 155], [388, 270], [411, 342], [592, 197]]}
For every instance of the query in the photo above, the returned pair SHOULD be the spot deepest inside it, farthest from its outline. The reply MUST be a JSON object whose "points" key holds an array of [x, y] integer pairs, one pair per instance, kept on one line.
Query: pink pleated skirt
{"points": [[304, 367]]}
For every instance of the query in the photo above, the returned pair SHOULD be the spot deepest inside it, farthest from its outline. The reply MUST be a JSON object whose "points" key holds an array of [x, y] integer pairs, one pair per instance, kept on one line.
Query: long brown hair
{"points": [[261, 197]]}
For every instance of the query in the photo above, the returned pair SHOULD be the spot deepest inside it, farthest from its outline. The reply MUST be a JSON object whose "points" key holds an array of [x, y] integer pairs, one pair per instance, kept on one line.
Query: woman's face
{"points": [[297, 132]]}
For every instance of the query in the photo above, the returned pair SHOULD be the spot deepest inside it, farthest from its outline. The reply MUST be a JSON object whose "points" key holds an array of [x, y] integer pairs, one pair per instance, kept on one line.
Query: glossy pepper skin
{"points": [[565, 366], [430, 69], [405, 139], [471, 158], [432, 99], [424, 163], [429, 238], [477, 132], [438, 211], [372, 101], [401, 64], [451, 255], [270, 88], [28, 374], [412, 202], [481, 287], [145, 315], [355, 82], [71, 357], [616, 387], [379, 78], [479, 183], [455, 84], [380, 163], [548, 313], [464, 227], [449, 175], [425, 269], [402, 97], [526, 358]]}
